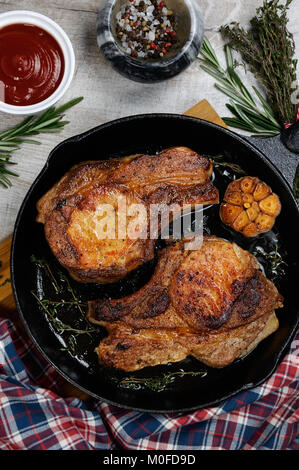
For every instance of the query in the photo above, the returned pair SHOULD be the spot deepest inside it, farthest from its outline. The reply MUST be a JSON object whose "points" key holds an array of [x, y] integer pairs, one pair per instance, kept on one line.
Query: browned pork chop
{"points": [[78, 208], [213, 303]]}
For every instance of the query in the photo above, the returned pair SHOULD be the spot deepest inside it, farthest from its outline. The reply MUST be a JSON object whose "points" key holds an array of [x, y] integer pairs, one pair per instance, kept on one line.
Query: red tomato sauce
{"points": [[31, 64]]}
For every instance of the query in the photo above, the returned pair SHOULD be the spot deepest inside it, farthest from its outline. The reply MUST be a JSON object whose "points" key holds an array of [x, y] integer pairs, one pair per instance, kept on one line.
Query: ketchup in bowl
{"points": [[31, 64]]}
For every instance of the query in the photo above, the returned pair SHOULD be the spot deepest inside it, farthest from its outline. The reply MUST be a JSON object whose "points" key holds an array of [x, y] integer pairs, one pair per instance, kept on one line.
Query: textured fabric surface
{"points": [[34, 417]]}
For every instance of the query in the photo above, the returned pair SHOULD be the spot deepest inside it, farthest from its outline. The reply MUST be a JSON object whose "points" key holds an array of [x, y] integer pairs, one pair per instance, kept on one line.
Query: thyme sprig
{"points": [[268, 48], [219, 162], [276, 263], [54, 308], [49, 122], [252, 114], [156, 383], [71, 291], [59, 325]]}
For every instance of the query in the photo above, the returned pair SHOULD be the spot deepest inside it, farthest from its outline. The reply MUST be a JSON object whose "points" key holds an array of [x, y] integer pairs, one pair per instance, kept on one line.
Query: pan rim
{"points": [[81, 136]]}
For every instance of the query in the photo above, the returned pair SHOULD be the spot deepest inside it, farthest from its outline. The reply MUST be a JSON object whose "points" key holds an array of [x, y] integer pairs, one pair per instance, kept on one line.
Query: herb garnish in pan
{"points": [[57, 309], [156, 383]]}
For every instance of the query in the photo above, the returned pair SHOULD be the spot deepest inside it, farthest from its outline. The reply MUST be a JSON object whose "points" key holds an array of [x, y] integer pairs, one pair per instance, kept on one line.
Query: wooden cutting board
{"points": [[201, 110]]}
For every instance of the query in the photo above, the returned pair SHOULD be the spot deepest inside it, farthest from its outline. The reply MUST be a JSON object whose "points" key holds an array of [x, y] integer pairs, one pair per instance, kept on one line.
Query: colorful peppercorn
{"points": [[146, 28]]}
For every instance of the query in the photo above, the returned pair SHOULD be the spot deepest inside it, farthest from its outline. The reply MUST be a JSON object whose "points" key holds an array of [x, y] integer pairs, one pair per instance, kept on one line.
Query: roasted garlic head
{"points": [[249, 206]]}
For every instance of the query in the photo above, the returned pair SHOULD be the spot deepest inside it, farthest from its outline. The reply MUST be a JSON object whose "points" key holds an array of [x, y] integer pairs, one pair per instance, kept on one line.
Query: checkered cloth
{"points": [[34, 416]]}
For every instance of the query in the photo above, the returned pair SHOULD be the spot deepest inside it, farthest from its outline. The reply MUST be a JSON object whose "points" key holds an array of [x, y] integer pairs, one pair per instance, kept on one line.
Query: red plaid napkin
{"points": [[34, 416]]}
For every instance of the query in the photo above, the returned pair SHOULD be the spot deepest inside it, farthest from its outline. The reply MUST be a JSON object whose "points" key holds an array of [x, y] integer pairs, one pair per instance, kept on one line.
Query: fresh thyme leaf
{"points": [[59, 325], [275, 264], [249, 115], [156, 383], [268, 48], [64, 303], [71, 291], [49, 122], [220, 165], [55, 309]]}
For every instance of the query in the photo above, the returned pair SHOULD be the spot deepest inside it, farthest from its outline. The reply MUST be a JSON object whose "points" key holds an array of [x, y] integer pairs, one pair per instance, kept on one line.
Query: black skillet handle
{"points": [[274, 148]]}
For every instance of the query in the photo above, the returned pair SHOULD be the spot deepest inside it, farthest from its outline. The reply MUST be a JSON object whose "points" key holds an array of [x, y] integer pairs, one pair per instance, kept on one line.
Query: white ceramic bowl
{"points": [[31, 17]]}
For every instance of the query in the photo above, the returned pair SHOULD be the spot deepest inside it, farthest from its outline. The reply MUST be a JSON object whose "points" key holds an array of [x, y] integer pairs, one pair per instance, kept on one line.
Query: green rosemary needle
{"points": [[49, 122], [269, 50], [250, 114]]}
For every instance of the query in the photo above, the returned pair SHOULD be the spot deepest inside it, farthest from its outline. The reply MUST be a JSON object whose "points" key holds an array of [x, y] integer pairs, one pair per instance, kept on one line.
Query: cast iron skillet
{"points": [[141, 134]]}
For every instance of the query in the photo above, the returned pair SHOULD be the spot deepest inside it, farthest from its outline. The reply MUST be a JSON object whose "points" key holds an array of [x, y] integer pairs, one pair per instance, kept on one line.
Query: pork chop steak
{"points": [[78, 209], [213, 303]]}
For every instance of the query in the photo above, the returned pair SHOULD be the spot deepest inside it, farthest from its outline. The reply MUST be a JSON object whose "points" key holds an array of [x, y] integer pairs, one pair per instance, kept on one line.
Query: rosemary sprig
{"points": [[249, 114], [156, 383], [49, 122], [268, 48]]}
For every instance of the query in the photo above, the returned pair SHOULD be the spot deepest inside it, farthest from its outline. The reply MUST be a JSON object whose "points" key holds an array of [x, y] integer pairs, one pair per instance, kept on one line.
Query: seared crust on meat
{"points": [[72, 211], [212, 303], [141, 308], [221, 285], [131, 350], [72, 231]]}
